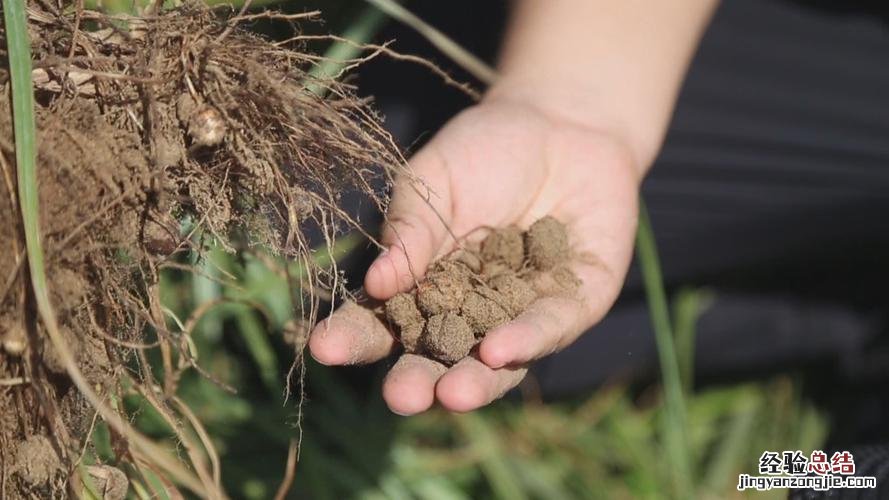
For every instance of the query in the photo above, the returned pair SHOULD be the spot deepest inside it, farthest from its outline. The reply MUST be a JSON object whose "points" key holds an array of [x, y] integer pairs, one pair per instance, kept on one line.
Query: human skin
{"points": [[570, 128]]}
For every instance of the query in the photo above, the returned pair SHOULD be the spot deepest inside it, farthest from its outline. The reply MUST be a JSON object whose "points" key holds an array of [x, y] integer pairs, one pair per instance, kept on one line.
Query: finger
{"points": [[416, 226], [409, 387], [471, 384], [351, 335]]}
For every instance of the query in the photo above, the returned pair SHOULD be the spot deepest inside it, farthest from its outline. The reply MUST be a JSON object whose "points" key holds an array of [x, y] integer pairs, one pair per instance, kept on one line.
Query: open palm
{"points": [[499, 163]]}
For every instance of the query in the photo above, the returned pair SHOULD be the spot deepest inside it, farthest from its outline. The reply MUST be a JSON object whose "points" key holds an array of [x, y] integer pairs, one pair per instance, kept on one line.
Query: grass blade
{"points": [[675, 428], [260, 348], [25, 131], [688, 305], [494, 462], [442, 42], [733, 449]]}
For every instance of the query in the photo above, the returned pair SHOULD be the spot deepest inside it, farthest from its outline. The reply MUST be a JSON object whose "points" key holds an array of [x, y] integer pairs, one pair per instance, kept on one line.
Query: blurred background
{"points": [[768, 204]]}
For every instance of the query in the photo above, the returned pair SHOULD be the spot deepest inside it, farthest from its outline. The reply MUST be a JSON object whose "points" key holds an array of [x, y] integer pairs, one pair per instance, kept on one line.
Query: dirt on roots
{"points": [[156, 134], [470, 292]]}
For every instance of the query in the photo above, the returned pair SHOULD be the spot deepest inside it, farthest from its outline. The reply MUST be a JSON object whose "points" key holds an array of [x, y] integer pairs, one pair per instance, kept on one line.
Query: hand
{"points": [[501, 162]]}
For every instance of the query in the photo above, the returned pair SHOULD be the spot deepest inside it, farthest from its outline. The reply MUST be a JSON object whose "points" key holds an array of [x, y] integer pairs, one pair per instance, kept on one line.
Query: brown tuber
{"points": [[448, 337], [485, 310], [517, 293], [504, 246], [442, 292], [547, 243], [402, 312], [206, 126]]}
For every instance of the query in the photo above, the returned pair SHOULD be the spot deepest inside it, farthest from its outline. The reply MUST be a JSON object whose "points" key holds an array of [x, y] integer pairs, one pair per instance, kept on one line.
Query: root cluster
{"points": [[158, 135]]}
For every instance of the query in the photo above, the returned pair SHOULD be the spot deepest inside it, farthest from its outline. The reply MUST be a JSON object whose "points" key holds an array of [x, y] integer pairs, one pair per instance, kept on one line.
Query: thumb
{"points": [[415, 228]]}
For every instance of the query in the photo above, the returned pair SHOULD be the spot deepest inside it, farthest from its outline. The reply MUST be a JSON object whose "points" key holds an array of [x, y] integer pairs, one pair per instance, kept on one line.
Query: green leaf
{"points": [[675, 425], [341, 53]]}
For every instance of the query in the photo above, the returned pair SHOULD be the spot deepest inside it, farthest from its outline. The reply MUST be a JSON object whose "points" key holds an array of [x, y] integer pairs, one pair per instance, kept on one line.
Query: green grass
{"points": [[675, 424], [607, 444], [19, 49]]}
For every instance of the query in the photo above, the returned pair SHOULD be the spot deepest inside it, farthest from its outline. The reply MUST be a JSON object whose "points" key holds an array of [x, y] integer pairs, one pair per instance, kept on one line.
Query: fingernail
{"points": [[312, 354], [380, 263]]}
